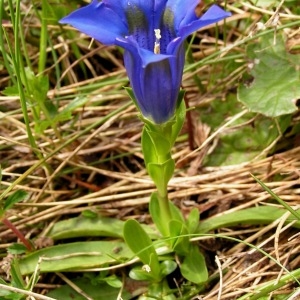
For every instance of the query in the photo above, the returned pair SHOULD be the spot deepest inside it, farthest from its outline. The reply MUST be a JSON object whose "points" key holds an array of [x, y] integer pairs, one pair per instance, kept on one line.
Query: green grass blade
{"points": [[290, 209]]}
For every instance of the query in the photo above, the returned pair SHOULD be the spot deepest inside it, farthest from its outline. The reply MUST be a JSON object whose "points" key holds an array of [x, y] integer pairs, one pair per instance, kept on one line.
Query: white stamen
{"points": [[157, 41], [146, 268]]}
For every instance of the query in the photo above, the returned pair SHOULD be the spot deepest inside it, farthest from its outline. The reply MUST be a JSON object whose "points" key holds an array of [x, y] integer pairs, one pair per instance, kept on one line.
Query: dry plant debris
{"points": [[93, 160]]}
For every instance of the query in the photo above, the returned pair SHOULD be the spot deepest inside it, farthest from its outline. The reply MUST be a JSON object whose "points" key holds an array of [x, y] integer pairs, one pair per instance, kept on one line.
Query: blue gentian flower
{"points": [[152, 33]]}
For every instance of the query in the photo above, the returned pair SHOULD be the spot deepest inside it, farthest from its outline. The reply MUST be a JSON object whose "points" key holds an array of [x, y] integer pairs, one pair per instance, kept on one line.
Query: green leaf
{"points": [[217, 111], [74, 104], [140, 243], [264, 290], [278, 199], [193, 267], [176, 213], [87, 213], [244, 143], [51, 108], [14, 198], [16, 276], [150, 155], [192, 221], [140, 273], [275, 87], [157, 218], [8, 295], [83, 226], [161, 145], [168, 267], [100, 291], [158, 291], [113, 281], [180, 241], [254, 215], [92, 225], [17, 249], [76, 256], [39, 85], [155, 213], [132, 97], [180, 118], [11, 91], [161, 173]]}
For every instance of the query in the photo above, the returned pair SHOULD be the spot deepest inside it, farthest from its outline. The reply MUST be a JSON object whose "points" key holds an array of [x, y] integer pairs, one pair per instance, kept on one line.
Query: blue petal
{"points": [[156, 84], [159, 91], [177, 64], [143, 17], [117, 7], [133, 68], [214, 14], [147, 56], [173, 45], [151, 8], [182, 10], [98, 21]]}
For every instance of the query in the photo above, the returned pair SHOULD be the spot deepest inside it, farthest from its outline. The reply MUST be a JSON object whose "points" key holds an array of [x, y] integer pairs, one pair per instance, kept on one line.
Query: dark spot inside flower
{"points": [[138, 26], [167, 30]]}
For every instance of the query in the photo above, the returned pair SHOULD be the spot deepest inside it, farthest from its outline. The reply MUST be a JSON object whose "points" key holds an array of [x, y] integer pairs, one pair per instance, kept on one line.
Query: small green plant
{"points": [[243, 95]]}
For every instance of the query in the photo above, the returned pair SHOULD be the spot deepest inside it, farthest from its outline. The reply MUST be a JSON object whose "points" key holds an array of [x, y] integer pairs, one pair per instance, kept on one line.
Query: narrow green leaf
{"points": [[86, 226], [101, 291], [254, 215], [278, 199], [192, 221], [150, 155], [92, 225], [132, 97], [76, 256], [16, 276], [180, 118], [74, 104], [179, 232], [14, 198], [176, 213], [17, 249], [155, 213], [267, 288]]}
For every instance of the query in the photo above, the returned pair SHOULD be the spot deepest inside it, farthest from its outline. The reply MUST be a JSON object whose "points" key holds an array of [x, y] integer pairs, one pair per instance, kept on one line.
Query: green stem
{"points": [[43, 39], [165, 210], [160, 290]]}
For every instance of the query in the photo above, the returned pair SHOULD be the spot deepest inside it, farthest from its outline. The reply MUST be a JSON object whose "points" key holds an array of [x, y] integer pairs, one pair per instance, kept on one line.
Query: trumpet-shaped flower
{"points": [[152, 33]]}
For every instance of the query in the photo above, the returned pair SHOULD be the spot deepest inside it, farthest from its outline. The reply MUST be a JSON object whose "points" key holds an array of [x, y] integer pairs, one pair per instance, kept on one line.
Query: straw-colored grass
{"points": [[94, 161]]}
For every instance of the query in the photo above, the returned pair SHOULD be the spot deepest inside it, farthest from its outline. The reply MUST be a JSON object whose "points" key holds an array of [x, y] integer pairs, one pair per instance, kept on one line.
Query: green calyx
{"points": [[157, 143]]}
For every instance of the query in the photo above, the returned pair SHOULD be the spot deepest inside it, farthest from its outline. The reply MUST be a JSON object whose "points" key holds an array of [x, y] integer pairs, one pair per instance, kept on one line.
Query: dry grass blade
{"points": [[92, 156]]}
